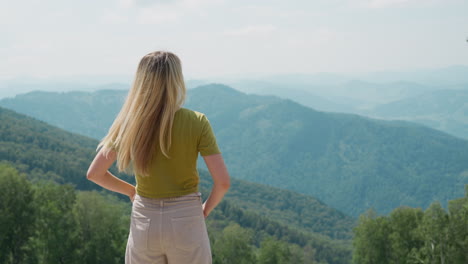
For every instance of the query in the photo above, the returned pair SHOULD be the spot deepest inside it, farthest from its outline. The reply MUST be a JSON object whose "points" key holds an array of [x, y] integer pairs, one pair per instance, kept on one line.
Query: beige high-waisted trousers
{"points": [[168, 231]]}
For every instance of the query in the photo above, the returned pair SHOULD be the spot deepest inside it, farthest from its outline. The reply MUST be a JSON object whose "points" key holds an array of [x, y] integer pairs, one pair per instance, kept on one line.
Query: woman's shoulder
{"points": [[189, 113]]}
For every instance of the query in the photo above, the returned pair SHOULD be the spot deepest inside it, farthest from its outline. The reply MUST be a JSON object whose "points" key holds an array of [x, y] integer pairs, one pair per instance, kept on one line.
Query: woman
{"points": [[159, 141]]}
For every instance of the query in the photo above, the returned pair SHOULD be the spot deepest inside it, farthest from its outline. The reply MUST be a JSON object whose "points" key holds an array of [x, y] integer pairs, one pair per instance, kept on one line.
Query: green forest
{"points": [[46, 222]]}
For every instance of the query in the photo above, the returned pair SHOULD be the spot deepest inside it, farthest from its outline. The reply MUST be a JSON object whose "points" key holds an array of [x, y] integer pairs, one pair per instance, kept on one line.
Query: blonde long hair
{"points": [[147, 115]]}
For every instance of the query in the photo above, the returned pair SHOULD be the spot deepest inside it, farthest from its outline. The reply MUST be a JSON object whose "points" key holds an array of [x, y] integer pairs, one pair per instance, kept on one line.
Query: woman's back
{"points": [[178, 175], [160, 141]]}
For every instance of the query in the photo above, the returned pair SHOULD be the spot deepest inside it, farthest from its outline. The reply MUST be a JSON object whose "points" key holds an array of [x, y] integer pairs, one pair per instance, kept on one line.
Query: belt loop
{"points": [[161, 203]]}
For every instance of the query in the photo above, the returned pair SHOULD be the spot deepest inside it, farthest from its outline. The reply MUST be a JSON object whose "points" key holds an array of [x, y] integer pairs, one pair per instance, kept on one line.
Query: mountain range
{"points": [[349, 162], [390, 100]]}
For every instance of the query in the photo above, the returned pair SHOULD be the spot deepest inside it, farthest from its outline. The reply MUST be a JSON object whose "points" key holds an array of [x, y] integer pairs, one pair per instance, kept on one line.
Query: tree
{"points": [[55, 239], [234, 246], [371, 239], [404, 236], [17, 215], [434, 228], [273, 251], [458, 229], [103, 226]]}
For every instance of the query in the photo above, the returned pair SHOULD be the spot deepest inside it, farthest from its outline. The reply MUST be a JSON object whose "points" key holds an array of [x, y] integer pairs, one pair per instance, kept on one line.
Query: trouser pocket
{"points": [[188, 232], [139, 229]]}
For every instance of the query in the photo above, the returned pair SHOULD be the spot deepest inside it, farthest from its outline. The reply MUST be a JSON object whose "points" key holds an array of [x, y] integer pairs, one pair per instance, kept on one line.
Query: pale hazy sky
{"points": [[57, 38]]}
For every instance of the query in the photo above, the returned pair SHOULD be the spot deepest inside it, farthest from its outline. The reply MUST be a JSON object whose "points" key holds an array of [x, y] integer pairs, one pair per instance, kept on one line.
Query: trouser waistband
{"points": [[176, 198]]}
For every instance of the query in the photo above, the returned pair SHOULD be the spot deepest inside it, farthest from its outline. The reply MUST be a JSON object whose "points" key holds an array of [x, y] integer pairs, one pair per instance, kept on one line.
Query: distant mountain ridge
{"points": [[350, 162], [369, 98], [451, 75]]}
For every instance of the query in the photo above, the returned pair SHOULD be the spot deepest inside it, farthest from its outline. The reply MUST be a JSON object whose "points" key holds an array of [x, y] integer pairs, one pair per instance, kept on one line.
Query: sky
{"points": [[65, 38]]}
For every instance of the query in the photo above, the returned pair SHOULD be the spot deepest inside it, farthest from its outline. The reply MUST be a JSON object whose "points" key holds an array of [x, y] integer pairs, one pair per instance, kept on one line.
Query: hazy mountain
{"points": [[378, 100], [349, 162], [86, 113], [302, 96], [376, 93], [452, 75], [352, 96], [313, 79], [445, 76], [194, 83], [446, 110], [353, 93], [11, 88]]}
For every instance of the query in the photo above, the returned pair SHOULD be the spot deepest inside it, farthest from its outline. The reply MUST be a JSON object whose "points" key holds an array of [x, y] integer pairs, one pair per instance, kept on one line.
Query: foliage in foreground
{"points": [[411, 235]]}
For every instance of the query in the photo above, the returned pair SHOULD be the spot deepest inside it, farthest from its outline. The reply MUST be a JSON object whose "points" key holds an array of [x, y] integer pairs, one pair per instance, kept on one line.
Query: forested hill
{"points": [[44, 151], [48, 153], [350, 162], [302, 212], [89, 114]]}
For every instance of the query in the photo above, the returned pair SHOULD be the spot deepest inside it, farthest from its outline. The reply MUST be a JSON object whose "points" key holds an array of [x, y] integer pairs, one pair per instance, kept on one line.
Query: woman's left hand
{"points": [[131, 196]]}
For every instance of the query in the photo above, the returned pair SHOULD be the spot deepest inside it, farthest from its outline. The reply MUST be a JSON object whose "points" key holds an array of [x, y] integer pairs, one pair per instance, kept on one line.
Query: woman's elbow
{"points": [[91, 175], [225, 184]]}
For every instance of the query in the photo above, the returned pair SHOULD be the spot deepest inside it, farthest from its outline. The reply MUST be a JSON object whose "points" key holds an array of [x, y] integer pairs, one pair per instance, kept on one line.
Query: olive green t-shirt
{"points": [[178, 175]]}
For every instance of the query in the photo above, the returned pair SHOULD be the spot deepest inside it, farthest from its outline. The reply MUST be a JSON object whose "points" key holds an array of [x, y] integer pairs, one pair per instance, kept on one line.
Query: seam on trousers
{"points": [[160, 227]]}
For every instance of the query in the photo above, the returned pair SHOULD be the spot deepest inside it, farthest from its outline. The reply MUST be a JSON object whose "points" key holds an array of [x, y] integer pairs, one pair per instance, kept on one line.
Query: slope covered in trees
{"points": [[303, 212], [44, 152], [79, 112], [39, 148], [350, 162]]}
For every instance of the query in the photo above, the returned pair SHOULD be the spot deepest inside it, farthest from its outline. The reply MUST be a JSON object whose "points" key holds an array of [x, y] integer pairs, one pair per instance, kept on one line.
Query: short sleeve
{"points": [[207, 144]]}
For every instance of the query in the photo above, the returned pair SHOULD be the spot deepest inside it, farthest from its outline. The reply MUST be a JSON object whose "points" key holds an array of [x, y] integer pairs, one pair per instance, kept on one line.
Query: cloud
{"points": [[112, 17], [253, 30], [142, 3], [397, 3], [174, 3], [387, 3], [317, 37], [126, 3], [155, 12], [198, 3]]}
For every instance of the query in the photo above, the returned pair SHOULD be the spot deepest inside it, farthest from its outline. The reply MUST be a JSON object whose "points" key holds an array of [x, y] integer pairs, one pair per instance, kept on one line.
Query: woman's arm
{"points": [[221, 182], [99, 174]]}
